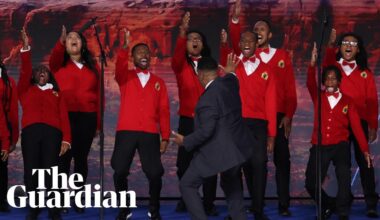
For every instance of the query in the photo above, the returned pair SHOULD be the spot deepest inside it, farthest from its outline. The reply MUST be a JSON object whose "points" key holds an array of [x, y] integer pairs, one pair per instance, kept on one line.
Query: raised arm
{"points": [[179, 56], [26, 66], [58, 53], [235, 27], [330, 56], [122, 60], [311, 82]]}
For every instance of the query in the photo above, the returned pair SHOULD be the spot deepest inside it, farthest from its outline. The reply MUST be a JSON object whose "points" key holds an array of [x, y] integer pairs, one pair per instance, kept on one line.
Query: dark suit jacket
{"points": [[220, 138]]}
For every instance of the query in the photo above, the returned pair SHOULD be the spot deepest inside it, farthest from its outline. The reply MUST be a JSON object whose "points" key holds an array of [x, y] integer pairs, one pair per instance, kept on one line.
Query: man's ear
{"points": [[270, 36]]}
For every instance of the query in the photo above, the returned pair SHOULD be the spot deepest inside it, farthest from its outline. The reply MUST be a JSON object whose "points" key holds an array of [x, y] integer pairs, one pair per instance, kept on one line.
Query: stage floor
{"points": [[300, 211]]}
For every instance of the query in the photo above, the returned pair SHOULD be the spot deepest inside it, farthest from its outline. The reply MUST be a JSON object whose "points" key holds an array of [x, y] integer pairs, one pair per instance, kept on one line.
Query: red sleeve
{"points": [[57, 57], [4, 132], [26, 73], [372, 101], [271, 105], [224, 51], [357, 128], [291, 94], [312, 83], [179, 56], [13, 112], [164, 112], [65, 123], [330, 56], [121, 69], [235, 30]]}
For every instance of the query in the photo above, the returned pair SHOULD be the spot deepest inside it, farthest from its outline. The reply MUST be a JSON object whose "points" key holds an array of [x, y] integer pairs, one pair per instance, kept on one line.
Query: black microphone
{"points": [[87, 24]]}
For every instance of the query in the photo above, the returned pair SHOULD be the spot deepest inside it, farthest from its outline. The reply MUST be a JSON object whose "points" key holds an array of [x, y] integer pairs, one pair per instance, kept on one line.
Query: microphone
{"points": [[87, 24]]}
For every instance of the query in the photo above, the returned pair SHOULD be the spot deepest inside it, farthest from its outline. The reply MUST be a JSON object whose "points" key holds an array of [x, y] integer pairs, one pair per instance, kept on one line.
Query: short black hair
{"points": [[251, 32], [43, 68], [137, 45], [207, 64], [267, 23], [333, 68]]}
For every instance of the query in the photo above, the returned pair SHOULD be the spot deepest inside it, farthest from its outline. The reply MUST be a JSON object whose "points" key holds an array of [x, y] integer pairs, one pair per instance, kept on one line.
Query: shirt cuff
{"points": [[235, 21], [67, 143], [22, 49]]}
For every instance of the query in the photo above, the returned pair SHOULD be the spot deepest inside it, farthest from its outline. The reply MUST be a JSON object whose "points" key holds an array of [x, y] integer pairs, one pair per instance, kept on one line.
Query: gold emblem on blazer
{"points": [[345, 109], [364, 75], [157, 86], [55, 93], [281, 64], [264, 75]]}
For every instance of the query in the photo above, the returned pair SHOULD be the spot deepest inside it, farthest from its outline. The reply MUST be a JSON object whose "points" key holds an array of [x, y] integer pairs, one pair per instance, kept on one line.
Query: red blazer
{"points": [[80, 87], [281, 65], [11, 109], [336, 122], [360, 87], [189, 87], [141, 109], [257, 92], [38, 106]]}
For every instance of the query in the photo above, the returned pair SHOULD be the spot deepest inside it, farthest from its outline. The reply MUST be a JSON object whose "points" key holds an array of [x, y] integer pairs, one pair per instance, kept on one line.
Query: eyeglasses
{"points": [[350, 43], [194, 40]]}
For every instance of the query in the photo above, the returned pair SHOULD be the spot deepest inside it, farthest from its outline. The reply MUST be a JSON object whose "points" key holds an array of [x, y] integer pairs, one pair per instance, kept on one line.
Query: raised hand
{"points": [[232, 62], [126, 37], [25, 40], [62, 38], [314, 55], [332, 38], [236, 10], [223, 36], [185, 24]]}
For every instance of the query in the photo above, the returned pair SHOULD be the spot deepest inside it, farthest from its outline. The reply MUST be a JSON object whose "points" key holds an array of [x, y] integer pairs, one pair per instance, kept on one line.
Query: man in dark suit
{"points": [[220, 139]]}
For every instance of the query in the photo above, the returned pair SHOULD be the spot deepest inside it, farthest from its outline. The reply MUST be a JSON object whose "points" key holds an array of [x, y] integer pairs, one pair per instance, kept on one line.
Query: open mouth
{"points": [[330, 89], [195, 46], [144, 62], [246, 50]]}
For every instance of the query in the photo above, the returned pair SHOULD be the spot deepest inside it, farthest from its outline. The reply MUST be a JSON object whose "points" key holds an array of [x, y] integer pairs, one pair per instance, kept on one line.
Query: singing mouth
{"points": [[144, 61]]}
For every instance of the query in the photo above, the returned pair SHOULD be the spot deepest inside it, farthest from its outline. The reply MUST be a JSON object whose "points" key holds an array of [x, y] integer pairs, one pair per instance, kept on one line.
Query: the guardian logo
{"points": [[59, 196]]}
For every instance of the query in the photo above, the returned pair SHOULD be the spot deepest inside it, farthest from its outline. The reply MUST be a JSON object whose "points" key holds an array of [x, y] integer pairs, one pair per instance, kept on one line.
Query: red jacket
{"points": [[141, 109], [12, 107], [360, 87], [38, 106], [281, 65], [257, 92], [336, 122], [189, 87], [80, 87], [4, 132]]}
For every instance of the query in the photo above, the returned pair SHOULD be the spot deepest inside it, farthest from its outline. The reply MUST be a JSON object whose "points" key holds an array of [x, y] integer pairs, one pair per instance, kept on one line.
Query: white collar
{"points": [[45, 87], [1, 70], [209, 83], [78, 64]]}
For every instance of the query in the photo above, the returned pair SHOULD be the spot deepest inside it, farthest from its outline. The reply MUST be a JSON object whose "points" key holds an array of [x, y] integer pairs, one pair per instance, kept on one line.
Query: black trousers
{"points": [[255, 169], [148, 147], [281, 159], [340, 155], [3, 183], [231, 185], [186, 127], [367, 175], [83, 128], [40, 145]]}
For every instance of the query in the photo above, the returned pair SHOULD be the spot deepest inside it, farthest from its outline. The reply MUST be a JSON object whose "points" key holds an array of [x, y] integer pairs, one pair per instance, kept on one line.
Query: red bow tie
{"points": [[265, 50], [195, 58], [335, 94], [138, 70], [351, 65], [251, 59]]}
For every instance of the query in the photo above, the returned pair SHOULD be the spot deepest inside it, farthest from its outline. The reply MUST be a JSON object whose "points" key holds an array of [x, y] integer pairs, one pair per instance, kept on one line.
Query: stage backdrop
{"points": [[296, 24]]}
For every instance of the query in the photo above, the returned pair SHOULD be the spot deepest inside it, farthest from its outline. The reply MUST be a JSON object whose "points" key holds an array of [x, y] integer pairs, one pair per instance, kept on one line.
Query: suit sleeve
{"points": [[65, 123], [235, 30], [57, 57], [357, 128], [271, 105], [26, 73], [121, 69], [291, 94], [312, 83], [164, 112], [179, 56], [207, 118], [372, 102], [13, 113]]}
